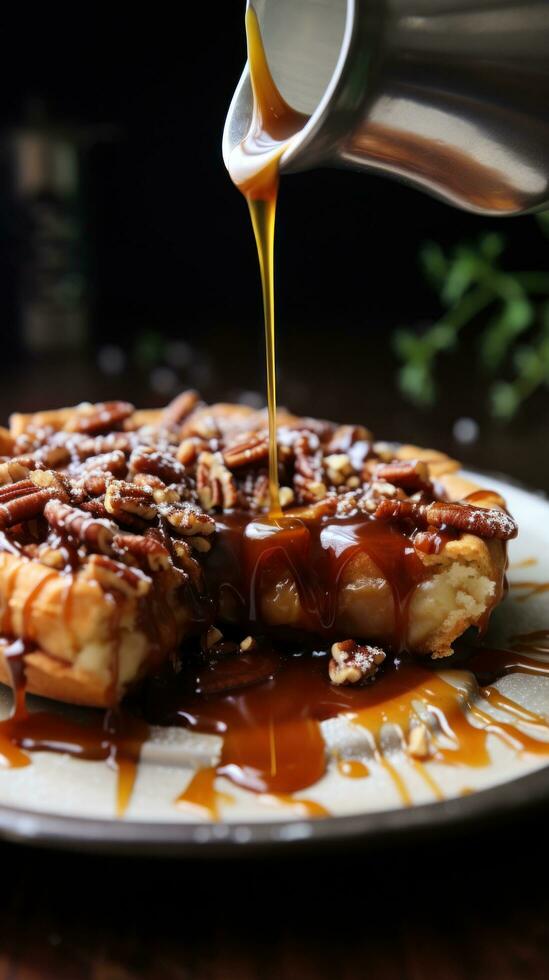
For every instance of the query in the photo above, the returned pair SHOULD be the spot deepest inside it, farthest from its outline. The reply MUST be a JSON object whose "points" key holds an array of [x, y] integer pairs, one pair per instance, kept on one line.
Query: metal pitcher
{"points": [[451, 96]]}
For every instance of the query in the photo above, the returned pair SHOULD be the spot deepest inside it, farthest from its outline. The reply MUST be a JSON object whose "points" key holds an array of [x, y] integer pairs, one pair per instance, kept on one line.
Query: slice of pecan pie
{"points": [[123, 532]]}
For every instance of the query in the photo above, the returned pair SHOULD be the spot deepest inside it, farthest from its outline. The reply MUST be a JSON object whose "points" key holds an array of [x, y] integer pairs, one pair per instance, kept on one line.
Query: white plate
{"points": [[65, 801]]}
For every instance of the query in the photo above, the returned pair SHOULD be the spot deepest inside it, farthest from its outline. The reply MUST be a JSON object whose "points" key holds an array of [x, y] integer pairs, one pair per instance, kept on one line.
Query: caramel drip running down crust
{"points": [[316, 550]]}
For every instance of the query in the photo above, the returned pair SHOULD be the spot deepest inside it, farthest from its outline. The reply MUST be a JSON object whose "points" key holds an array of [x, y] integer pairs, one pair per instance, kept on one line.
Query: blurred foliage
{"points": [[509, 309]]}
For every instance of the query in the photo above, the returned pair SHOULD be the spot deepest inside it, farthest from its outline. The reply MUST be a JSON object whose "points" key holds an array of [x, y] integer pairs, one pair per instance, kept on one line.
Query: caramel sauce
{"points": [[535, 642], [352, 768], [200, 796], [253, 166], [427, 778], [397, 779], [296, 805], [525, 563], [488, 665], [250, 553], [115, 737], [530, 588], [272, 741]]}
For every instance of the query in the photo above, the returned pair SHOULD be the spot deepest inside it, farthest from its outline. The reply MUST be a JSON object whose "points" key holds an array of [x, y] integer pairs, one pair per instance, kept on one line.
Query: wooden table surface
{"points": [[459, 907]]}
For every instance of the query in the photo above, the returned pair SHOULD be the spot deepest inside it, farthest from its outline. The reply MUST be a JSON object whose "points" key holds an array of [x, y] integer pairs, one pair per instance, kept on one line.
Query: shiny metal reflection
{"points": [[451, 96]]}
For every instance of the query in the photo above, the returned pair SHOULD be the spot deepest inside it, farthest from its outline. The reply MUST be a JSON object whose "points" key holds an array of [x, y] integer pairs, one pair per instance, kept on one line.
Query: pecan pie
{"points": [[125, 532]]}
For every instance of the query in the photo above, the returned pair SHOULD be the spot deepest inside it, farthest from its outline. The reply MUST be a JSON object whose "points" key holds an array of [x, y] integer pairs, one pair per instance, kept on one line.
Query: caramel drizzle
{"points": [[273, 743], [283, 755], [254, 168], [115, 737], [315, 552], [524, 563], [536, 642], [533, 589], [352, 768], [202, 798]]}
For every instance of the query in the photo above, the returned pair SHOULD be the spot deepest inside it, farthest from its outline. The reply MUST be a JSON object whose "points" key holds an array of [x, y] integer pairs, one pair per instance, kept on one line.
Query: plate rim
{"points": [[215, 839], [202, 838]]}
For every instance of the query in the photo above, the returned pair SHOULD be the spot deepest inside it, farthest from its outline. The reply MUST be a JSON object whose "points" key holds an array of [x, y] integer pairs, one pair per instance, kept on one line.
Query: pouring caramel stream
{"points": [[254, 168]]}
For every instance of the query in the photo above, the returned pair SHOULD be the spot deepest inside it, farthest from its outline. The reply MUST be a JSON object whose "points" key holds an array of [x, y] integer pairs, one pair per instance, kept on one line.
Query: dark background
{"points": [[166, 250]]}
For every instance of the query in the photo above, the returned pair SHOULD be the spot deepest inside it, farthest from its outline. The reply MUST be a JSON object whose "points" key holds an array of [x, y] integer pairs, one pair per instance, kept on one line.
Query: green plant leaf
{"points": [[417, 383], [466, 269], [434, 264], [470, 280], [406, 344], [504, 400], [492, 245], [513, 319]]}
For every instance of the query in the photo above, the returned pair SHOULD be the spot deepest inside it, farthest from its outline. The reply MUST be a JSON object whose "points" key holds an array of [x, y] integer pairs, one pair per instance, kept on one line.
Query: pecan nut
{"points": [[309, 477], [346, 436], [215, 483], [98, 418], [338, 468], [95, 533], [189, 450], [14, 470], [50, 480], [161, 464], [113, 462], [180, 408], [411, 475], [150, 549], [247, 451], [150, 552], [185, 559], [123, 498], [83, 447], [485, 522], [187, 519], [114, 576], [52, 456], [354, 663], [21, 502]]}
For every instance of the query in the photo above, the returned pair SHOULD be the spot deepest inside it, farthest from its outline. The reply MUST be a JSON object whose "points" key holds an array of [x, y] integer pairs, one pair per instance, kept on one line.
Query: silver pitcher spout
{"points": [[451, 96]]}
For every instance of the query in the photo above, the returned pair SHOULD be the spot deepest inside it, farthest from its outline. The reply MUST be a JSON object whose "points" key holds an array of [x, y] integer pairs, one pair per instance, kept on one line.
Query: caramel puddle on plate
{"points": [[530, 588], [273, 743], [202, 797], [352, 768], [113, 736], [535, 642], [524, 563]]}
